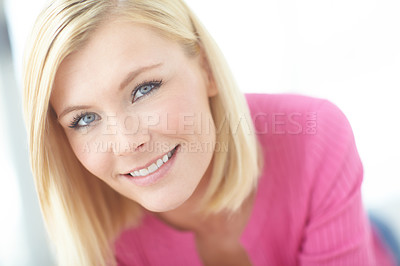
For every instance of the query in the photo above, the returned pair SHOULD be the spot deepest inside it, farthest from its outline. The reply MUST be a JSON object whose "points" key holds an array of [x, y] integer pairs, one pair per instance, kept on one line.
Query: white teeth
{"points": [[143, 172], [165, 158], [152, 168]]}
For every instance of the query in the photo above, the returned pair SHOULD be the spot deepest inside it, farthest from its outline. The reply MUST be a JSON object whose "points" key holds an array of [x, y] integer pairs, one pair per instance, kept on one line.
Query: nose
{"points": [[127, 140], [125, 144]]}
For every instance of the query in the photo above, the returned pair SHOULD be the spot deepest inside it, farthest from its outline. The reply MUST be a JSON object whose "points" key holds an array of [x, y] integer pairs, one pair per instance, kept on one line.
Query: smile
{"points": [[157, 164]]}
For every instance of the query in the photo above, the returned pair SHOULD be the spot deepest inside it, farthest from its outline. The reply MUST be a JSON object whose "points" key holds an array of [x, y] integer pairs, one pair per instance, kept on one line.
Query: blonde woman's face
{"points": [[135, 110]]}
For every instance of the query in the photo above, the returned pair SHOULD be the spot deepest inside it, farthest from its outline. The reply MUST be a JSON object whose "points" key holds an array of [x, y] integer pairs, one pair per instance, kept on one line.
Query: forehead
{"points": [[115, 42], [113, 50]]}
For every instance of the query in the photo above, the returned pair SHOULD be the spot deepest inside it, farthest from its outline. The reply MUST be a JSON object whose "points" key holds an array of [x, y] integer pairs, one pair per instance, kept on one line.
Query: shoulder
{"points": [[286, 102], [306, 122], [259, 101], [308, 147], [286, 107]]}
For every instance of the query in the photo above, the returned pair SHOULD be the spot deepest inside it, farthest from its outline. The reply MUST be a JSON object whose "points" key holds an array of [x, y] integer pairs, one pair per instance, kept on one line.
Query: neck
{"points": [[187, 216]]}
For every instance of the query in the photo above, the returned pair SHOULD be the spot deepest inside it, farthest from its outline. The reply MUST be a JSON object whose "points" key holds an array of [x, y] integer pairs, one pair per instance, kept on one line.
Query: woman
{"points": [[145, 153]]}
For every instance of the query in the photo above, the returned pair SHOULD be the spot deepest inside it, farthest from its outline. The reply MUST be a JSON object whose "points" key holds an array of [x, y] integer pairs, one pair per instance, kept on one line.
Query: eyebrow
{"points": [[131, 76], [73, 108]]}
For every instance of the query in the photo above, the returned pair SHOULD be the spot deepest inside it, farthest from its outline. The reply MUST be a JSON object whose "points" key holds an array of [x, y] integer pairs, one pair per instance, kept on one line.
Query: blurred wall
{"points": [[346, 51], [23, 239]]}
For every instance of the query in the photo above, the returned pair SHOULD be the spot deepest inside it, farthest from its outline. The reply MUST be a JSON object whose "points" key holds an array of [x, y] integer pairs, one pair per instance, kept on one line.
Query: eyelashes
{"points": [[145, 88], [141, 90], [83, 120], [75, 120]]}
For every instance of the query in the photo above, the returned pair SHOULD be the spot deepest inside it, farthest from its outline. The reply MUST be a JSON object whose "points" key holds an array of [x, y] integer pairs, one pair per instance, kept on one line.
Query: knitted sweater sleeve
{"points": [[337, 230]]}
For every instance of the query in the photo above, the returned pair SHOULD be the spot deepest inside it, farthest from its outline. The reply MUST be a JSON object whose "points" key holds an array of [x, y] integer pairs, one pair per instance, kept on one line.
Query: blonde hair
{"points": [[82, 214]]}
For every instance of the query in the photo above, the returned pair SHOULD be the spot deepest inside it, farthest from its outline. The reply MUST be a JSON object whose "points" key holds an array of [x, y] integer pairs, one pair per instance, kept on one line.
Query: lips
{"points": [[154, 165]]}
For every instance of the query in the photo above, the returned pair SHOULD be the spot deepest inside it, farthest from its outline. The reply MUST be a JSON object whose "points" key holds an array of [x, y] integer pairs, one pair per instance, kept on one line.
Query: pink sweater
{"points": [[308, 208]]}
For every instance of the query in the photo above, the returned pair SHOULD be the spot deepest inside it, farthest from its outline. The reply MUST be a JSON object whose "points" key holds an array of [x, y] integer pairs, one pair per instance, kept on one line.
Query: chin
{"points": [[162, 207], [164, 204]]}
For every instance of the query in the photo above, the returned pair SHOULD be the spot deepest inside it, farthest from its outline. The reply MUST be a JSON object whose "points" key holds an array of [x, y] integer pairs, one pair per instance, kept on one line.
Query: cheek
{"points": [[186, 111], [93, 155], [184, 119]]}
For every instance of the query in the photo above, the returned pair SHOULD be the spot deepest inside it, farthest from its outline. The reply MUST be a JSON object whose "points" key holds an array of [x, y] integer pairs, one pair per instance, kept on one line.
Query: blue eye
{"points": [[83, 120], [145, 88]]}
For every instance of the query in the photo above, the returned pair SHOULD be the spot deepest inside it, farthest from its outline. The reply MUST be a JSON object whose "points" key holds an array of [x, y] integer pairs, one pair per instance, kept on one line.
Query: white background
{"points": [[347, 51]]}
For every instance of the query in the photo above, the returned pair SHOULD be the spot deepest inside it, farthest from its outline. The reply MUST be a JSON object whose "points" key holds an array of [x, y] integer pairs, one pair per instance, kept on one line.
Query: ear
{"points": [[211, 85]]}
